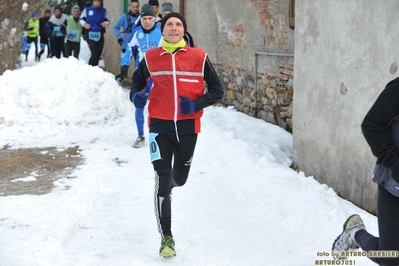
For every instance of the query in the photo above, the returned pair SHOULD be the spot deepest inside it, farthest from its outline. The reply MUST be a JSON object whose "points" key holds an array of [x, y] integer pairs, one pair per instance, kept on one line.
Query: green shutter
{"points": [[125, 5]]}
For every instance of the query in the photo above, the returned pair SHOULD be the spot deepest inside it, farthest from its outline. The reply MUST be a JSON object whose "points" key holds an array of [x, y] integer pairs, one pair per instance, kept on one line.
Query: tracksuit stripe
{"points": [[158, 204]]}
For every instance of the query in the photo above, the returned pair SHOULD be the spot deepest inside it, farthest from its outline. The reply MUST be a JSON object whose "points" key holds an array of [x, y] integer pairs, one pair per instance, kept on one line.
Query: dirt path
{"points": [[19, 169]]}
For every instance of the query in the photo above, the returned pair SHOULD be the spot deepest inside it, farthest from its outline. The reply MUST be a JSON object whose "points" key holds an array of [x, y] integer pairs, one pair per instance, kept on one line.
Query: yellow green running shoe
{"points": [[167, 249]]}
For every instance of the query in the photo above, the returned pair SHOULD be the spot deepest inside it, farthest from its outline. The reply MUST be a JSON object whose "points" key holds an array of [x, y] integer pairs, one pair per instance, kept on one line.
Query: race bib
{"points": [[72, 35], [57, 31], [154, 148], [94, 36]]}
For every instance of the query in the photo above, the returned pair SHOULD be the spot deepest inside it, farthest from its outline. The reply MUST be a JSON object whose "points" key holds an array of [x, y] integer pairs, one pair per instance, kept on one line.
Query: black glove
{"points": [[122, 75], [120, 41], [124, 70], [119, 78]]}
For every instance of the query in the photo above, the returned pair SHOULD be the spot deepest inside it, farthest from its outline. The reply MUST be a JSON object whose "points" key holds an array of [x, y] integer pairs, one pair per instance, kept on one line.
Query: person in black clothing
{"points": [[55, 29], [43, 36], [376, 130]]}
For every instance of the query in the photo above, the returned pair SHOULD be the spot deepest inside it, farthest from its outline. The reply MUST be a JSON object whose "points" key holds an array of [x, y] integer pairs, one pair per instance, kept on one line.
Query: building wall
{"points": [[345, 53], [231, 32]]}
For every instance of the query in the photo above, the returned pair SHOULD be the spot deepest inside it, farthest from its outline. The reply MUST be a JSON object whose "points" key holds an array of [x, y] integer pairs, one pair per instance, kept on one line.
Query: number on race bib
{"points": [[94, 36]]}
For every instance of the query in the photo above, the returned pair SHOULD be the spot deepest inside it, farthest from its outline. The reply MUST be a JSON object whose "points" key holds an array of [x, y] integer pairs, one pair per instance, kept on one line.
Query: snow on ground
{"points": [[242, 204]]}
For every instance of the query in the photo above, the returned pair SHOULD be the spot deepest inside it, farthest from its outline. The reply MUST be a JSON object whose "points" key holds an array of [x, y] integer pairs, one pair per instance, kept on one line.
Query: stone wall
{"points": [[271, 101]]}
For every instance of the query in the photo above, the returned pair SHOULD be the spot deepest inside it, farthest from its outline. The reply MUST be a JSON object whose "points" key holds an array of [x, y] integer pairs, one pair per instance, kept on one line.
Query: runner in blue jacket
{"points": [[127, 22], [147, 36]]}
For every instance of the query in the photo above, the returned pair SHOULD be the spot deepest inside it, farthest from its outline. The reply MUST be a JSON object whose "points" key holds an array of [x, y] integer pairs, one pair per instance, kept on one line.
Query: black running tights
{"points": [[181, 153], [388, 227]]}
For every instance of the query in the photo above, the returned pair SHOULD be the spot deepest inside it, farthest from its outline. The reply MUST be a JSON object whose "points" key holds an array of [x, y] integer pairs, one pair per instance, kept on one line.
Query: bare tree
{"points": [[13, 16]]}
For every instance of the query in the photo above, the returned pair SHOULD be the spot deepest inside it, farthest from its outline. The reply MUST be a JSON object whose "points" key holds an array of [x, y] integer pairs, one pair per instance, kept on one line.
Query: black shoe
{"points": [[39, 55]]}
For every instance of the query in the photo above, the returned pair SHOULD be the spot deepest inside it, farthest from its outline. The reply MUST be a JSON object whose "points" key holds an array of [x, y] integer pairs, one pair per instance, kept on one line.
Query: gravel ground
{"points": [[20, 167]]}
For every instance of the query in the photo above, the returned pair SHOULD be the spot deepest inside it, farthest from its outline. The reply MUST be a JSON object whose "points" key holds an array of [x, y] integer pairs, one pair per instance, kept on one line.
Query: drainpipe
{"points": [[256, 74], [181, 7]]}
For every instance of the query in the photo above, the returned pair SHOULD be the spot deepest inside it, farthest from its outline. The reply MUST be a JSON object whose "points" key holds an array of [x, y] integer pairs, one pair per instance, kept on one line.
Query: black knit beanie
{"points": [[176, 15], [153, 2], [58, 7]]}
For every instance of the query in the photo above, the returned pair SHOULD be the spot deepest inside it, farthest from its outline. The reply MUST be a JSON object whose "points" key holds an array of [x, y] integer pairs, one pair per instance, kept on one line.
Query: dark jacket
{"points": [[375, 127], [54, 31], [42, 22], [55, 28]]}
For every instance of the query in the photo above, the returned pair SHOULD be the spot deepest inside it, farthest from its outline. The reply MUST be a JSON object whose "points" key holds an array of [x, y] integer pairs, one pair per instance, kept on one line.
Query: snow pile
{"points": [[60, 94], [25, 6]]}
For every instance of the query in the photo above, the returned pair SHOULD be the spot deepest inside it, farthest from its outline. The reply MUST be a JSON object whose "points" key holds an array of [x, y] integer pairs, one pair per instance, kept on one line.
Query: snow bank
{"points": [[59, 95]]}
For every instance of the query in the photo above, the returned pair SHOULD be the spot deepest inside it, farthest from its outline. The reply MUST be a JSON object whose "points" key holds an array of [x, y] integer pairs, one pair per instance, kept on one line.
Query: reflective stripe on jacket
{"points": [[180, 73]]}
